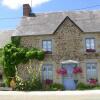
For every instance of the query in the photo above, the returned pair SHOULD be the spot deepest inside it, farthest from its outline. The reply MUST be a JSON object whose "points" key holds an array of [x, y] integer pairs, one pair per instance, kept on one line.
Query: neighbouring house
{"points": [[71, 41]]}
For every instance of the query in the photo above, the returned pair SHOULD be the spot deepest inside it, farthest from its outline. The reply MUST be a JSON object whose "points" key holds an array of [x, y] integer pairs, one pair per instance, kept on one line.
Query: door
{"points": [[68, 80]]}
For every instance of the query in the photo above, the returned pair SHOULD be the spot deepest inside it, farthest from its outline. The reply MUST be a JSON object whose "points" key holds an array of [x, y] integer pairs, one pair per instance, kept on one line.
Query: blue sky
{"points": [[13, 9]]}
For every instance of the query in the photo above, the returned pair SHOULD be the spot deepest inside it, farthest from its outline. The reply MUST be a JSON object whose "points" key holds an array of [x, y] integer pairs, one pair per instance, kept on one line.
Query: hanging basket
{"points": [[61, 71], [77, 70]]}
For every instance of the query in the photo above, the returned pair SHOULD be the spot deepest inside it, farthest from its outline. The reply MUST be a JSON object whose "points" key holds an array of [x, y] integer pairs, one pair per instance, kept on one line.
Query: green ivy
{"points": [[14, 55], [16, 40]]}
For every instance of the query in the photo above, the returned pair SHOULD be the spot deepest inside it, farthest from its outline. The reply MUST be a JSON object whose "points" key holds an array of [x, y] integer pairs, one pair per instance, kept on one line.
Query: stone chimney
{"points": [[26, 10]]}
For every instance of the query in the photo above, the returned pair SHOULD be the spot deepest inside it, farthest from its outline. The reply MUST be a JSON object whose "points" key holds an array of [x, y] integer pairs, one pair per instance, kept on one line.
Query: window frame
{"points": [[90, 49], [47, 51], [91, 68], [47, 71]]}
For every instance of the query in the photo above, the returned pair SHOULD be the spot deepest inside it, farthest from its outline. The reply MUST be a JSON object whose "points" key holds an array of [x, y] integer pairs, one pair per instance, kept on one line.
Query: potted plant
{"points": [[92, 81]]}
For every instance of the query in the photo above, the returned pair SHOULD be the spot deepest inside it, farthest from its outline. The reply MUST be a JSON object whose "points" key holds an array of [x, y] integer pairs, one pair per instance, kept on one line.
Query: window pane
{"points": [[47, 45], [87, 44], [92, 43], [48, 73], [91, 71]]}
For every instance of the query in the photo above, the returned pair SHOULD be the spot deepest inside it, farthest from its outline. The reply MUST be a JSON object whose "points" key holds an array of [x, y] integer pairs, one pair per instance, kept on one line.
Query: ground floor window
{"points": [[47, 72], [91, 71]]}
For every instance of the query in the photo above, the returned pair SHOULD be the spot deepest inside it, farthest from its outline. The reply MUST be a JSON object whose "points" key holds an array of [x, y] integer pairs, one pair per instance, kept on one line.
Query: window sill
{"points": [[48, 52], [90, 50]]}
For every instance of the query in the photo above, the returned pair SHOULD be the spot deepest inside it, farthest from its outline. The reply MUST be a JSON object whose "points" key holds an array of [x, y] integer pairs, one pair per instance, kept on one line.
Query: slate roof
{"points": [[47, 23], [5, 37]]}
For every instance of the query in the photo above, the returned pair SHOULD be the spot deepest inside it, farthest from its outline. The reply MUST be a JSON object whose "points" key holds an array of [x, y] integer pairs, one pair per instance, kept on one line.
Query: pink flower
{"points": [[62, 71], [92, 81], [77, 70], [48, 81]]}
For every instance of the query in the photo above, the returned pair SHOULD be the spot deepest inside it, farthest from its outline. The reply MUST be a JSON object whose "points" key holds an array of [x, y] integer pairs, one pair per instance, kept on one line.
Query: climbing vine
{"points": [[16, 40], [14, 55]]}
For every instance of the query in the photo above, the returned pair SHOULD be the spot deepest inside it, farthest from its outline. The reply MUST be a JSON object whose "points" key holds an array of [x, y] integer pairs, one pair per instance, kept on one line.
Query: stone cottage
{"points": [[71, 41]]}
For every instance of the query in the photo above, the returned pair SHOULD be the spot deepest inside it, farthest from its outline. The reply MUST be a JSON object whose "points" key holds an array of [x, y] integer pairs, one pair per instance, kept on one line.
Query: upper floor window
{"points": [[47, 45], [90, 44], [91, 71]]}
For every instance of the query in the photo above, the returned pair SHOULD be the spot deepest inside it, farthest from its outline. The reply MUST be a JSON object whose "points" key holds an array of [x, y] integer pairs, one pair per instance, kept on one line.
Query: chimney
{"points": [[26, 10]]}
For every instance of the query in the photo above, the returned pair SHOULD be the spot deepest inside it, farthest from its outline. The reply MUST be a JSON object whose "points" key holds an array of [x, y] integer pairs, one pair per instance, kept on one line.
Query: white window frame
{"points": [[90, 43], [90, 70], [47, 45], [47, 71]]}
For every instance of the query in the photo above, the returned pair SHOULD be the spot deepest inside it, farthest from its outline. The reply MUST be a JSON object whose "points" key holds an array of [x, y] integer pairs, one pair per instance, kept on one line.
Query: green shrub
{"points": [[96, 87], [40, 55], [82, 86], [56, 87], [14, 55], [31, 54], [34, 84], [16, 40]]}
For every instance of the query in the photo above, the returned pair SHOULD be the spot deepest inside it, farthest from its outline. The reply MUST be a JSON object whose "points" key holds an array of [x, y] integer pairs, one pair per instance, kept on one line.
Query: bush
{"points": [[96, 88], [28, 85], [82, 86], [56, 87], [40, 55]]}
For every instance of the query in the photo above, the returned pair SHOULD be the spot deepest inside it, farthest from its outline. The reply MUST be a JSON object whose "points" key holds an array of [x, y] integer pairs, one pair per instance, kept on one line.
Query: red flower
{"points": [[92, 81], [48, 81], [62, 71], [77, 70]]}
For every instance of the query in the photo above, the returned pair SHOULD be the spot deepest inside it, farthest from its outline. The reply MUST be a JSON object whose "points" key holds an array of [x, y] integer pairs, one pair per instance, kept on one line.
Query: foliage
{"points": [[96, 88], [40, 55], [56, 86], [82, 86], [1, 56], [14, 55], [33, 83], [16, 40]]}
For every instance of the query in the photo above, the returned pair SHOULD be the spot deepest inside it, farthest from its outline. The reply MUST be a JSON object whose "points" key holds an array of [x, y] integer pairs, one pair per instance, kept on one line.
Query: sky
{"points": [[11, 10]]}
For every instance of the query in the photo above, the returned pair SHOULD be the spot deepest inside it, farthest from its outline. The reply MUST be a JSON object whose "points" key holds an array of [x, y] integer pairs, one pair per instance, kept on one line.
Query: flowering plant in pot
{"points": [[61, 71], [92, 81], [77, 70], [48, 81]]}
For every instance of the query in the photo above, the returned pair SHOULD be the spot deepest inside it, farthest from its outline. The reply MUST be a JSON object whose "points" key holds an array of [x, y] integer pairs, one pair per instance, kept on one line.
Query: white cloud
{"points": [[15, 4]]}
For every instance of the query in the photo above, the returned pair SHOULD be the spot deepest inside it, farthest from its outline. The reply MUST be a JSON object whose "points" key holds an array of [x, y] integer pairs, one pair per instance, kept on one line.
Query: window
{"points": [[47, 71], [47, 45], [90, 44], [91, 71]]}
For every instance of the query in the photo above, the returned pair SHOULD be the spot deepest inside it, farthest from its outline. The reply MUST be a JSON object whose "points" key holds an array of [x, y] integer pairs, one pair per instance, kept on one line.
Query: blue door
{"points": [[68, 80]]}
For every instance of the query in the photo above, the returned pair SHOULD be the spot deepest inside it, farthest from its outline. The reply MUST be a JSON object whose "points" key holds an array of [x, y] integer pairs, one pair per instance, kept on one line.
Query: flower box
{"points": [[90, 50], [92, 81]]}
